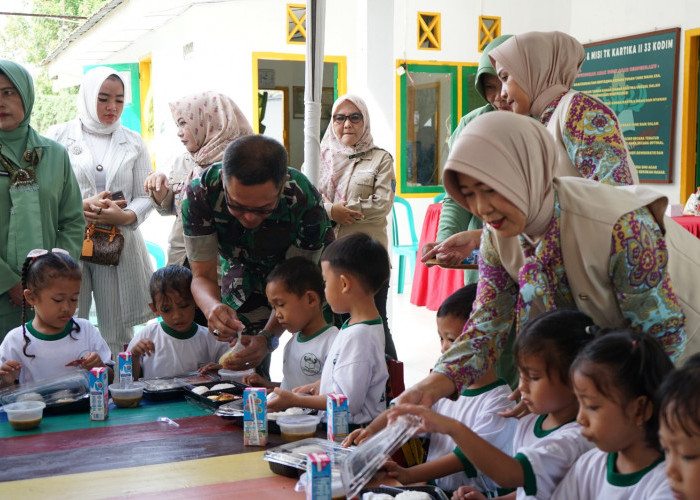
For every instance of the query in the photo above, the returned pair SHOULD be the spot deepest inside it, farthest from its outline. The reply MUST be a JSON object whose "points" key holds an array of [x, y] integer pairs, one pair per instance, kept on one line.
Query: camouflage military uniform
{"points": [[298, 226]]}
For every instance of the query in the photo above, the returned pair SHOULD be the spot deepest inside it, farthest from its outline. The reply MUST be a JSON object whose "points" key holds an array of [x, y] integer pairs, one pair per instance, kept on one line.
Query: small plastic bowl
{"points": [[234, 376], [297, 427], [25, 415], [128, 396]]}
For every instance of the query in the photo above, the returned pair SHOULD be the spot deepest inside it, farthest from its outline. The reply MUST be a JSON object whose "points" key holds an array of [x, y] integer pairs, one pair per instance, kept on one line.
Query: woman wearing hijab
{"points": [[107, 158], [501, 168], [40, 205], [206, 123], [357, 182], [537, 70]]}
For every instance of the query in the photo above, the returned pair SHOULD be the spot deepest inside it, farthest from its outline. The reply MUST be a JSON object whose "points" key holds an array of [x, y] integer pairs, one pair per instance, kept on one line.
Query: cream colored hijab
{"points": [[544, 64], [87, 100], [215, 121], [337, 159], [513, 154]]}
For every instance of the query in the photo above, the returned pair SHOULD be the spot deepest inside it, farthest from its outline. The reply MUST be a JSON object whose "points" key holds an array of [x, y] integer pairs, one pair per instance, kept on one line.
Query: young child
{"points": [[548, 441], [478, 407], [679, 433], [175, 345], [615, 379], [46, 346], [295, 291], [354, 268]]}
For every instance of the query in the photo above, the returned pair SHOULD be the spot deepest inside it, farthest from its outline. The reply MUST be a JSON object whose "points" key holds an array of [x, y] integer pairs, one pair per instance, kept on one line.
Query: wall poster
{"points": [[636, 77]]}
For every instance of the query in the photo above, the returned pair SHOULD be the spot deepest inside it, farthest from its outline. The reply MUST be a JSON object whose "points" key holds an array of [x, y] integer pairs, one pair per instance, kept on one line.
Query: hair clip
{"points": [[590, 330], [634, 344], [38, 252]]}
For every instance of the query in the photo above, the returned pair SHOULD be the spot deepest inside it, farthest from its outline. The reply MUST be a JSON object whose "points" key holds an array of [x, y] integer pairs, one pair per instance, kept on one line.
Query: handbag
{"points": [[102, 246]]}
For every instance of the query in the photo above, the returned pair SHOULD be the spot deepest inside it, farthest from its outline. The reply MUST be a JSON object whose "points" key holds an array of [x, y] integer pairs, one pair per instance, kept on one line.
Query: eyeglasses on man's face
{"points": [[354, 118], [240, 209]]}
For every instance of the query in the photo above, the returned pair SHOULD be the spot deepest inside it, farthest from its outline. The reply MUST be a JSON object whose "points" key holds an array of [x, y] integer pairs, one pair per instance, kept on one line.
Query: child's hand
{"points": [[401, 474], [432, 421], [9, 372], [257, 380], [310, 389], [358, 436], [519, 410], [467, 493], [210, 367], [282, 400], [91, 360], [144, 347]]}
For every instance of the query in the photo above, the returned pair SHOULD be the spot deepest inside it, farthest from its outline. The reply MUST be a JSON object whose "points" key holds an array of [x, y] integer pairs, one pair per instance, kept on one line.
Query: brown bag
{"points": [[102, 246]]}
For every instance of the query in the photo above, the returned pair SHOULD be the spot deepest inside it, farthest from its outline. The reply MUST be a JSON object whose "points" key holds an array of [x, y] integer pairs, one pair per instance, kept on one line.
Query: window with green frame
{"points": [[430, 97]]}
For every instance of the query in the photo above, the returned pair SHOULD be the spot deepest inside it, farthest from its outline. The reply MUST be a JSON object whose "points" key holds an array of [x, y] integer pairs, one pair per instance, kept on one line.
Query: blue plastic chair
{"points": [[157, 253], [404, 251], [438, 198]]}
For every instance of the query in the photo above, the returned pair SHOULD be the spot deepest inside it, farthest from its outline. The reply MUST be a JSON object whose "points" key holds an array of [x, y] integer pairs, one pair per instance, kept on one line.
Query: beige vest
{"points": [[587, 258]]}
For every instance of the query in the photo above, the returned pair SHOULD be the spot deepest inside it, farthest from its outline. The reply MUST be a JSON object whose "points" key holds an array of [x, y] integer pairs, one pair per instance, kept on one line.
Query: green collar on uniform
{"points": [[44, 336], [470, 393], [540, 432], [180, 335], [618, 479], [347, 324], [301, 339]]}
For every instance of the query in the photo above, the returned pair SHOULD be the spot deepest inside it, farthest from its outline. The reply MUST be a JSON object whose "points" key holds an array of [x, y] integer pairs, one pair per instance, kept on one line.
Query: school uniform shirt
{"points": [[593, 476], [177, 353], [356, 367], [52, 352], [546, 455], [477, 409], [304, 358]]}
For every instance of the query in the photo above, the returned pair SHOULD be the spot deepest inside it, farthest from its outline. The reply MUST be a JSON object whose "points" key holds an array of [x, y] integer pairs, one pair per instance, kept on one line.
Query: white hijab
{"points": [[87, 100]]}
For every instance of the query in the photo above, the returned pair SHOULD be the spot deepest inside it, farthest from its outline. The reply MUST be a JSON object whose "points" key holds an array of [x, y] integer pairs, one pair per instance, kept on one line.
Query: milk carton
{"points": [[255, 416], [318, 477], [99, 395], [337, 414], [125, 372]]}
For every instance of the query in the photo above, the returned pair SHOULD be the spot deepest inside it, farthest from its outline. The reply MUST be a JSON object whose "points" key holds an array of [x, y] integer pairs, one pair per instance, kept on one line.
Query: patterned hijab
{"points": [[215, 121], [87, 100], [14, 142], [337, 159], [544, 64], [514, 155]]}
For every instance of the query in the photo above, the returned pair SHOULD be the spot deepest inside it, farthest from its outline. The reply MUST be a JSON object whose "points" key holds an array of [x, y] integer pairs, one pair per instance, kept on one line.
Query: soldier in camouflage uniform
{"points": [[252, 212]]}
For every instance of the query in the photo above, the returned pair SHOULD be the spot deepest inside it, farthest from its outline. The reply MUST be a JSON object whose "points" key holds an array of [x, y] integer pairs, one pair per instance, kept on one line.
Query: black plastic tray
{"points": [[165, 395], [81, 405], [434, 492], [204, 401]]}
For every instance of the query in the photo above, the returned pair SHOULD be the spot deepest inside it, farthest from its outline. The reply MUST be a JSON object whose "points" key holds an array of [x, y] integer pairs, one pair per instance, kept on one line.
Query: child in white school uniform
{"points": [[679, 429], [54, 342], [354, 268], [175, 345], [478, 407], [615, 379], [295, 292], [548, 441]]}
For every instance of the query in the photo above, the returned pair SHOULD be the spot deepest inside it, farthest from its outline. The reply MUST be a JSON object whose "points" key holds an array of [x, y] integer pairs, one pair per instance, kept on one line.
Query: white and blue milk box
{"points": [[99, 393], [318, 477], [337, 415], [126, 374], [255, 416]]}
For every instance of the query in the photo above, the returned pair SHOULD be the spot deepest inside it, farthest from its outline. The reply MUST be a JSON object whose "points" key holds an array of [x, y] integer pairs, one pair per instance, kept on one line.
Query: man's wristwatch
{"points": [[272, 340]]}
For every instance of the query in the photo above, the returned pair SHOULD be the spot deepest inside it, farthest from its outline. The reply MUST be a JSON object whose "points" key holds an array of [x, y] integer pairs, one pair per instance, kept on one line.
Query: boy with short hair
{"points": [[354, 267], [176, 344], [295, 292]]}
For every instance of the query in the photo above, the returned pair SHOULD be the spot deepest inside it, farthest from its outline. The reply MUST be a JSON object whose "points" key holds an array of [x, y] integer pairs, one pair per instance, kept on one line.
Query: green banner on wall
{"points": [[636, 77]]}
